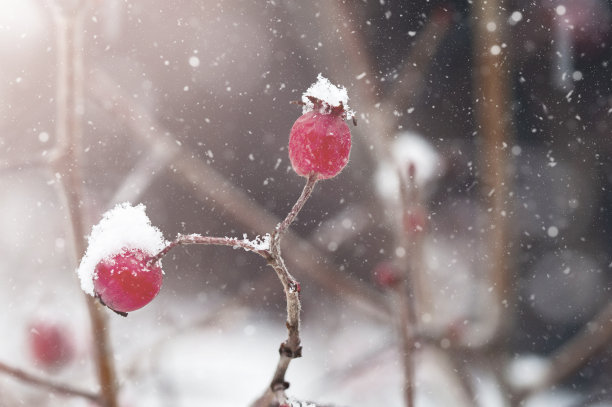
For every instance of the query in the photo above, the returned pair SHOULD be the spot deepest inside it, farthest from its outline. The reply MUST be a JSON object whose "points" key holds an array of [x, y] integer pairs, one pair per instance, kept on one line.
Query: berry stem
{"points": [[291, 348], [48, 384], [297, 207], [210, 240]]}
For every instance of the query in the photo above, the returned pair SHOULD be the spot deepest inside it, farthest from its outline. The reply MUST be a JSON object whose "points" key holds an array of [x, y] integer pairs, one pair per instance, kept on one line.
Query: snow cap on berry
{"points": [[123, 227], [329, 95]]}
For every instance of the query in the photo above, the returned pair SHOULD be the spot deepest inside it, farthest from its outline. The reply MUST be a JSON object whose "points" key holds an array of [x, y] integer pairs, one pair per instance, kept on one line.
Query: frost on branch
{"points": [[123, 227], [259, 243], [329, 94]]}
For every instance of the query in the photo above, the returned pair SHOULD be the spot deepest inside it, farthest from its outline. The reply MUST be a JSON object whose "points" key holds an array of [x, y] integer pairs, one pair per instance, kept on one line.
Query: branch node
{"points": [[280, 386], [286, 350]]}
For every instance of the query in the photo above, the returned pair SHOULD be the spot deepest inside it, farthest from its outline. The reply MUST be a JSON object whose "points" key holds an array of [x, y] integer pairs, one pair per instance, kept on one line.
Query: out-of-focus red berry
{"points": [[386, 274], [126, 282], [319, 143], [50, 344]]}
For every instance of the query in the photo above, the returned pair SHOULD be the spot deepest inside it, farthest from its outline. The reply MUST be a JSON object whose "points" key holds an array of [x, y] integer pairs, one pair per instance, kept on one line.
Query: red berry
{"points": [[386, 274], [50, 344], [126, 282], [319, 143]]}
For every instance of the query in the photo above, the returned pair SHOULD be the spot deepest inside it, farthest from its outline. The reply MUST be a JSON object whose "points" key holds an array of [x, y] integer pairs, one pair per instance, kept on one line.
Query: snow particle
{"points": [[495, 50], [552, 231], [560, 10], [527, 370], [400, 252], [249, 330], [347, 223], [332, 246], [515, 17], [43, 137], [491, 26]]}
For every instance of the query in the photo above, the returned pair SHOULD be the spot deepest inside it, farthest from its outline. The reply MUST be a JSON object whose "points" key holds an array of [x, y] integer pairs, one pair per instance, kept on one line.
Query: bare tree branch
{"points": [[493, 114], [48, 384], [291, 348], [194, 239], [67, 164], [410, 241]]}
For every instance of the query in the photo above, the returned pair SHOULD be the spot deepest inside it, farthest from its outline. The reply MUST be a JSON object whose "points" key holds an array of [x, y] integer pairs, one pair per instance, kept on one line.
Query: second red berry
{"points": [[319, 143]]}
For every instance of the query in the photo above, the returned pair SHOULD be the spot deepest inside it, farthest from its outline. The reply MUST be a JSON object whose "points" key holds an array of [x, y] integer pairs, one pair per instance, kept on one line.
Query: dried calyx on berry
{"points": [[118, 268], [320, 140]]}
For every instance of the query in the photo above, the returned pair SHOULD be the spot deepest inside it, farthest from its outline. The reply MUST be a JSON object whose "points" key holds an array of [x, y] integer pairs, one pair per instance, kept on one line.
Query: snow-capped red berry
{"points": [[319, 143], [50, 344], [115, 267], [320, 140], [126, 281]]}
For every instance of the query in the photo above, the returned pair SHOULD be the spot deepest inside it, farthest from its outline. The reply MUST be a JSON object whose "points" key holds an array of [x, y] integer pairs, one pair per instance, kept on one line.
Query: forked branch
{"points": [[269, 247]]}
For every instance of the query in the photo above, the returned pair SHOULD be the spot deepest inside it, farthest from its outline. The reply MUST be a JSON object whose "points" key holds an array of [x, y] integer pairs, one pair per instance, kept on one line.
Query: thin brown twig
{"points": [[297, 207], [493, 114], [48, 384], [67, 164], [290, 348], [411, 242], [193, 239]]}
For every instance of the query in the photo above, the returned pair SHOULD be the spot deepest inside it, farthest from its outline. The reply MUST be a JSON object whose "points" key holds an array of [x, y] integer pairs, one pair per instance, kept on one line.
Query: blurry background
{"points": [[187, 110]]}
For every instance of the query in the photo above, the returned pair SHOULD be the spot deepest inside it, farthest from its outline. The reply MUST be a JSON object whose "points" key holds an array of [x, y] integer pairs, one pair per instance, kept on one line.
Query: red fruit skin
{"points": [[386, 274], [319, 143], [125, 282], [50, 344]]}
